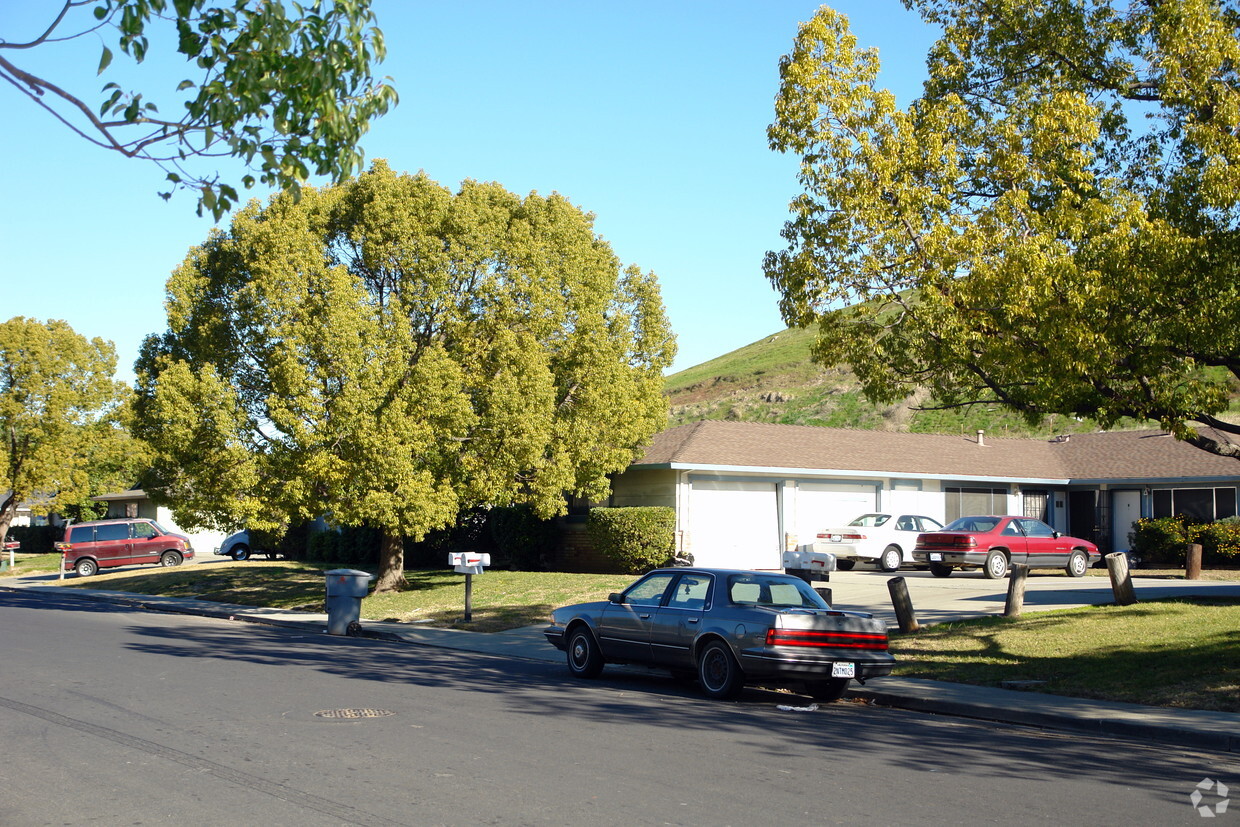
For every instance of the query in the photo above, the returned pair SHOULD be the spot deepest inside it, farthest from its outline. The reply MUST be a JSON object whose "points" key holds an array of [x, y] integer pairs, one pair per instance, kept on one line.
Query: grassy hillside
{"points": [[773, 380]]}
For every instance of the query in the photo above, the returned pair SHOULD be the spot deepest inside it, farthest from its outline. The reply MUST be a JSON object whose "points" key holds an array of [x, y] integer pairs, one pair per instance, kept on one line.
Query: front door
{"points": [[1082, 508], [1125, 511]]}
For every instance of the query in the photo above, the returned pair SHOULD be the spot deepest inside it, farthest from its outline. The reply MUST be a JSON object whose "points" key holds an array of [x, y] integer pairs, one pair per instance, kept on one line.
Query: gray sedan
{"points": [[726, 628]]}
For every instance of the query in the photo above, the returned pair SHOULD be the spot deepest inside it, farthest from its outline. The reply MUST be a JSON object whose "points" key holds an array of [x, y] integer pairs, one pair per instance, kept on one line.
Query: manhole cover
{"points": [[353, 713]]}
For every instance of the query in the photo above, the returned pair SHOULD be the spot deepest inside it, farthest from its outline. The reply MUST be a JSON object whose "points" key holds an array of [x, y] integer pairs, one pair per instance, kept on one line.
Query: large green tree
{"points": [[283, 87], [61, 439], [390, 352], [1052, 224]]}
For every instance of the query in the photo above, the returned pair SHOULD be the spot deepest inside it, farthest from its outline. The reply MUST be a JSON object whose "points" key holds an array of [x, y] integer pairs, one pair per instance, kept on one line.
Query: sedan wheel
{"points": [[845, 565], [584, 658], [1077, 564], [86, 567], [170, 559], [940, 570], [719, 673], [891, 559], [996, 567], [241, 552]]}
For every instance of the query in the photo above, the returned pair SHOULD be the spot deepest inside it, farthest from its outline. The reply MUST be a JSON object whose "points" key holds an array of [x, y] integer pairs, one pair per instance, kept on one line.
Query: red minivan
{"points": [[101, 544]]}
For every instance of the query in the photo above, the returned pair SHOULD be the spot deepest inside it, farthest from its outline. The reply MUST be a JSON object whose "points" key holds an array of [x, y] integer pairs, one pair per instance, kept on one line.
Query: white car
{"points": [[239, 547], [884, 539]]}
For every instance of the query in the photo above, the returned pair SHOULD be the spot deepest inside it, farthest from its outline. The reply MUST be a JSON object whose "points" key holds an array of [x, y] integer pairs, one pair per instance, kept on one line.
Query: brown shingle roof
{"points": [[1104, 456]]}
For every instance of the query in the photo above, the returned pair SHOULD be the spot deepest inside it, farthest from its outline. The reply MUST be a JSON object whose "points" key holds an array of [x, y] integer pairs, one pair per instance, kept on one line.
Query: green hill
{"points": [[774, 380]]}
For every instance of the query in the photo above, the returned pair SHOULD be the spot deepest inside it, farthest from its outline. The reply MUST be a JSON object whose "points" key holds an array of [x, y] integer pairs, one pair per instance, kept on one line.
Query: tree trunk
{"points": [[8, 509], [391, 563]]}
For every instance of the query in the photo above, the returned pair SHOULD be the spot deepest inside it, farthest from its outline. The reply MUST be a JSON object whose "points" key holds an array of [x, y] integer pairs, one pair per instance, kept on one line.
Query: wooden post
{"points": [[1016, 591], [1121, 580], [1192, 562], [903, 605], [469, 597], [825, 593]]}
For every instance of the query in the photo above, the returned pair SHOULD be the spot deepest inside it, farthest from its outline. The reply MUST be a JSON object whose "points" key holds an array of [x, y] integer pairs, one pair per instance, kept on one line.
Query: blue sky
{"points": [[651, 115]]}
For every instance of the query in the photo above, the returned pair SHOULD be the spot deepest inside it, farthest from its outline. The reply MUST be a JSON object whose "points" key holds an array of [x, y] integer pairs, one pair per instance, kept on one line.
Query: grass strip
{"points": [[1175, 653]]}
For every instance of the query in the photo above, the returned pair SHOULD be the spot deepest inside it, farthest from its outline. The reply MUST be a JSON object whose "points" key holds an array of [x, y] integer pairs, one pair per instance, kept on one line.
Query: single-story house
{"points": [[745, 491], [136, 503]]}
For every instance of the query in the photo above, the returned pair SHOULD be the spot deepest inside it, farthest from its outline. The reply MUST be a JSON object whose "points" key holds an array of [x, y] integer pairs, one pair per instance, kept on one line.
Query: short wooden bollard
{"points": [[1016, 591], [1121, 579], [825, 593], [1192, 562], [903, 605]]}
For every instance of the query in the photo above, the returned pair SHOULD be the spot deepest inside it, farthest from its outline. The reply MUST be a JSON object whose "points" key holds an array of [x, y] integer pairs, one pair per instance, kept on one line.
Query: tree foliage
{"points": [[1052, 225], [390, 352], [284, 88], [61, 438]]}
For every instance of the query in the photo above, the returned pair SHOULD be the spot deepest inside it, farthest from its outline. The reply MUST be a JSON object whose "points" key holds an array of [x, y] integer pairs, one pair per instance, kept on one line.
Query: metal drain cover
{"points": [[353, 713]]}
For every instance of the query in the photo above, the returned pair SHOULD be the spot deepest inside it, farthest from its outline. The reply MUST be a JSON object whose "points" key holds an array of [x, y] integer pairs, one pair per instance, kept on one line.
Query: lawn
{"points": [[436, 597], [1177, 653]]}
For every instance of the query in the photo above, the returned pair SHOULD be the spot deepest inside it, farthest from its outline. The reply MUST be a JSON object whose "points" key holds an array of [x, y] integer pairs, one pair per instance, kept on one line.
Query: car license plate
{"points": [[936, 557], [843, 670]]}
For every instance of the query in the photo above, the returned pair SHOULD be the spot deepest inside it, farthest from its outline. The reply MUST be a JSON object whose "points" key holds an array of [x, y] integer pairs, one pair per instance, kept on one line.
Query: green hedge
{"points": [[351, 545], [35, 539], [638, 539], [1165, 540]]}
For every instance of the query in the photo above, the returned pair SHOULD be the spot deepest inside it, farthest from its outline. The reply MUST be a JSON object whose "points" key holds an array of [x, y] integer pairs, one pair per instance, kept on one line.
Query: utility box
{"points": [[345, 590]]}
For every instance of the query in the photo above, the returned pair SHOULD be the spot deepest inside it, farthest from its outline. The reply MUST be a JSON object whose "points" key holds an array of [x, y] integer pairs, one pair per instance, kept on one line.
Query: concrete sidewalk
{"points": [[1192, 728]]}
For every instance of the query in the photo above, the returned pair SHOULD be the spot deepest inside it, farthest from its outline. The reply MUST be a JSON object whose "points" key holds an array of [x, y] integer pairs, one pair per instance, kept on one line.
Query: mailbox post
{"points": [[468, 563], [10, 546]]}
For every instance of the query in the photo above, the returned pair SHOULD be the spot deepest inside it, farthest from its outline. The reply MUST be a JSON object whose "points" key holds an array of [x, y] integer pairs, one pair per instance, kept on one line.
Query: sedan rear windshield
{"points": [[979, 524], [774, 591]]}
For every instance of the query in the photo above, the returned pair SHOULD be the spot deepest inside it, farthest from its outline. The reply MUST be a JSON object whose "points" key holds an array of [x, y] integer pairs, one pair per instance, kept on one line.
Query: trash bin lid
{"points": [[350, 573]]}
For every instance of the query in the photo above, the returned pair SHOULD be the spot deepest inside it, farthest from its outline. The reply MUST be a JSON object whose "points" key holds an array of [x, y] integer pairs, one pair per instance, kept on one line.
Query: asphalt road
{"points": [[110, 716]]}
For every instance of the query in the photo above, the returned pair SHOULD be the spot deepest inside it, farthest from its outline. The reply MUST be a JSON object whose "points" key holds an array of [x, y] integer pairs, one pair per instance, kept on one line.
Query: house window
{"points": [[1202, 505], [966, 502], [1034, 505]]}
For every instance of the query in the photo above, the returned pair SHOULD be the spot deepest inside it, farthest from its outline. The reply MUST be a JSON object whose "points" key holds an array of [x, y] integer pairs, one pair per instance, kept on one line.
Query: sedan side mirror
{"points": [[615, 597], [1057, 534]]}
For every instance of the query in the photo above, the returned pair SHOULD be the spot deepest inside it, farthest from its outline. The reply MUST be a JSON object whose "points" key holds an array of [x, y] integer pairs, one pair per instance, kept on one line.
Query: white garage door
{"points": [[822, 505], [734, 525]]}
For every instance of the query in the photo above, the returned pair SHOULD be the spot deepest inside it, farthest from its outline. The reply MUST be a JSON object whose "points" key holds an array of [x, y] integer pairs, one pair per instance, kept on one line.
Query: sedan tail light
{"points": [[827, 640]]}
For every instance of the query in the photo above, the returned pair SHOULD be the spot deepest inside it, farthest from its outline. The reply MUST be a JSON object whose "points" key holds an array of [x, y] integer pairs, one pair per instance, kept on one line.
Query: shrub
{"points": [[1220, 541], [1165, 540], [1160, 539], [35, 539], [349, 545], [469, 533], [521, 537], [638, 539]]}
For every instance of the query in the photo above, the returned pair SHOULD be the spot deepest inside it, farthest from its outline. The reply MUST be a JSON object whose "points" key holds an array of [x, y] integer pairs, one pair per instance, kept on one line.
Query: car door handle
{"points": [[644, 617], [692, 619]]}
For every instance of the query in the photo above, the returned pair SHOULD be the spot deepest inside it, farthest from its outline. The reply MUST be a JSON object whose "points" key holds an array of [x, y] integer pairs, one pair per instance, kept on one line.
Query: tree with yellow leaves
{"points": [[1052, 225]]}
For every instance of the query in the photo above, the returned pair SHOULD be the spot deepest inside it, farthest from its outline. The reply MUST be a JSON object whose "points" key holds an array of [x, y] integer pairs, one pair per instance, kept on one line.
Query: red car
{"points": [[994, 544]]}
